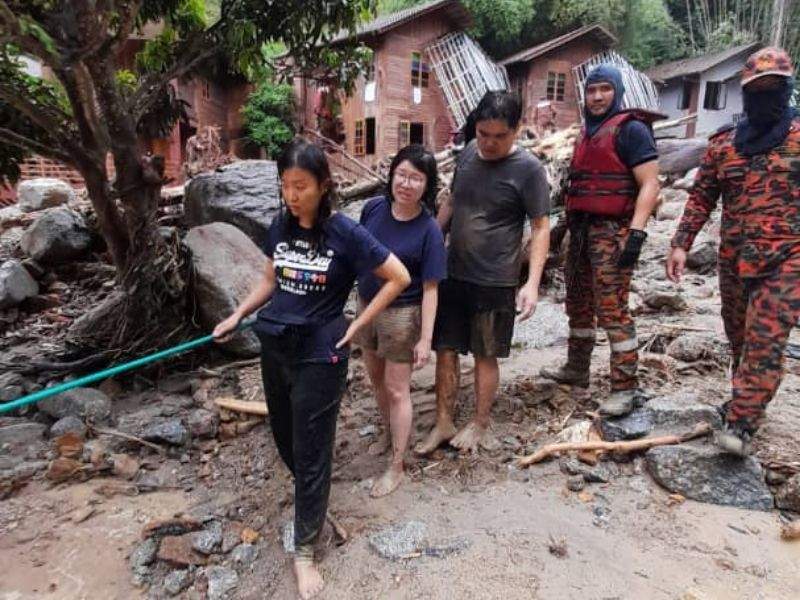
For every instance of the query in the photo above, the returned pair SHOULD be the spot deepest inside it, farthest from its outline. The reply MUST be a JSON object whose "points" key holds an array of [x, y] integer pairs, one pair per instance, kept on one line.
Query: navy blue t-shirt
{"points": [[312, 284], [418, 243], [635, 144]]}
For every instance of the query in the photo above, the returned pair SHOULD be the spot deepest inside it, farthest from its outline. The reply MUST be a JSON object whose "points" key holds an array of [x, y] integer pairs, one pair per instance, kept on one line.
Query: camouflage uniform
{"points": [[759, 260], [596, 286]]}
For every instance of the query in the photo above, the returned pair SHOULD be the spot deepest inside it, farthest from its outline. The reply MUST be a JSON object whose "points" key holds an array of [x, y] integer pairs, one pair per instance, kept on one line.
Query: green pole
{"points": [[111, 371]]}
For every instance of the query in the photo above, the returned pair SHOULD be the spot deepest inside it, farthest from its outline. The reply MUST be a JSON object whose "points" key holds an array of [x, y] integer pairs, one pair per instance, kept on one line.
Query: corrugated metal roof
{"points": [[385, 23], [530, 53], [697, 64]]}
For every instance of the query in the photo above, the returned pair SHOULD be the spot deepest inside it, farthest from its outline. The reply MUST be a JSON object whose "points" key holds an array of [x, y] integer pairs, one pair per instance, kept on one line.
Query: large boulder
{"points": [[244, 194], [43, 192], [227, 265], [16, 284], [58, 236], [704, 474], [677, 156]]}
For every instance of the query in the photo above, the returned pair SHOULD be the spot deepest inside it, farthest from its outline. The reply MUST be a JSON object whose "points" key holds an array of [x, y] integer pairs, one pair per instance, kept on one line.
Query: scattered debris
{"points": [[221, 581], [177, 550], [558, 548], [400, 541], [250, 408]]}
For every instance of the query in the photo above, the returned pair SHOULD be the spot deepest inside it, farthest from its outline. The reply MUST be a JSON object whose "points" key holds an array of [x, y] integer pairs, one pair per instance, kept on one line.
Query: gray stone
{"points": [[677, 156], [691, 347], [707, 475], [58, 236], [86, 403], [546, 327], [368, 430], [12, 386], [17, 437], [687, 181], [575, 468], [43, 192], [209, 539], [144, 554], [668, 211], [673, 196], [176, 581], [288, 537], [788, 496], [227, 265], [636, 425], [447, 548], [69, 424], [658, 300], [245, 554], [681, 412], [16, 284], [221, 582], [703, 259], [576, 483], [202, 423], [400, 540], [170, 431], [244, 194]]}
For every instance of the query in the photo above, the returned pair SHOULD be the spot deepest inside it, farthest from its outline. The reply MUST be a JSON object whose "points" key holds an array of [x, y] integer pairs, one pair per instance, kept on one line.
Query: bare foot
{"points": [[468, 439], [438, 436], [309, 580], [388, 482]]}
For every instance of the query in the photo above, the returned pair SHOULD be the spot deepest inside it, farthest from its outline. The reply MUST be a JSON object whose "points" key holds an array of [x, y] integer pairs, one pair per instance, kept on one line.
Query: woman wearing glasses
{"points": [[399, 338]]}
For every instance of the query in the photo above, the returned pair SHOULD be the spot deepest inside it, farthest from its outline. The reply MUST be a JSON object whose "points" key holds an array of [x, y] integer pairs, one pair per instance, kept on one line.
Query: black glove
{"points": [[633, 247]]}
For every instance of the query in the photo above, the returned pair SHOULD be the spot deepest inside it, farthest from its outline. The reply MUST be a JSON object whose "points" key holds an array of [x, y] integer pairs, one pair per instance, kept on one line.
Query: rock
{"points": [[69, 424], [202, 423], [245, 194], [43, 192], [788, 496], [12, 386], [177, 526], [221, 581], [209, 539], [245, 554], [575, 468], [178, 551], [399, 541], [368, 430], [546, 327], [677, 156], [87, 403], [447, 548], [144, 553], [691, 347], [636, 425], [668, 211], [673, 196], [62, 469], [170, 431], [687, 181], [680, 412], [226, 266], [58, 236], [658, 300], [176, 581], [232, 535], [17, 437], [576, 483], [124, 466], [69, 445], [703, 259], [35, 270], [16, 284], [707, 475]]}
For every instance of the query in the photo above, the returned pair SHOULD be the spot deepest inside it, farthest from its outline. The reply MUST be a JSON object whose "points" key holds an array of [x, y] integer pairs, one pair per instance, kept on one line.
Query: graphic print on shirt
{"points": [[300, 269]]}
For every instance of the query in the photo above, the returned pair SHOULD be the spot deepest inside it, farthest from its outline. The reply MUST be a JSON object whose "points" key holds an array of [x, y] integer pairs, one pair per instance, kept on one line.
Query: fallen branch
{"points": [[129, 437], [242, 406], [700, 430]]}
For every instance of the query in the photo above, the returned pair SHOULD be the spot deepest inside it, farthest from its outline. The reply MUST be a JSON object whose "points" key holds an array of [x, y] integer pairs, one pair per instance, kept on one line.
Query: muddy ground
{"points": [[523, 533]]}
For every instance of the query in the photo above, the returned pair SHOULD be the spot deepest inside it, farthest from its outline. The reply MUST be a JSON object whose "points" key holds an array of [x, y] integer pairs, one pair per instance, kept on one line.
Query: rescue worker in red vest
{"points": [[755, 167], [613, 190]]}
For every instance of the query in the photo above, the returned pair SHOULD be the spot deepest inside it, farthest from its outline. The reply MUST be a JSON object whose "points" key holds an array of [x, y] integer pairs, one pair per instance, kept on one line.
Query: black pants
{"points": [[303, 401]]}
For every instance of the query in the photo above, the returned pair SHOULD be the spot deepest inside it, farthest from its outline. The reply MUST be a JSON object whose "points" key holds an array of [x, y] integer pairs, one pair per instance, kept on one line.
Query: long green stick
{"points": [[115, 370]]}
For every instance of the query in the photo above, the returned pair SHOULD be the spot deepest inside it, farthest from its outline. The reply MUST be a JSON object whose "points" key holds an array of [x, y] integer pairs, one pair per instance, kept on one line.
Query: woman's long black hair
{"points": [[301, 154], [422, 160]]}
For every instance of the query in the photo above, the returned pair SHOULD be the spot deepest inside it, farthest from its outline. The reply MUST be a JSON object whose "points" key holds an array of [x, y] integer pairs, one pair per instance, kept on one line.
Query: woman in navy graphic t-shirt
{"points": [[314, 257]]}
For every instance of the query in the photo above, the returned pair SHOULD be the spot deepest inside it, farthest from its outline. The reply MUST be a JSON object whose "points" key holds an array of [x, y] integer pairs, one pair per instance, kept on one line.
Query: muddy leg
{"points": [[487, 378], [447, 386]]}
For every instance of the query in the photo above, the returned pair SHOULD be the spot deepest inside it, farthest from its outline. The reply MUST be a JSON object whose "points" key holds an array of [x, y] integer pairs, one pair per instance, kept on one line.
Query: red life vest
{"points": [[599, 182]]}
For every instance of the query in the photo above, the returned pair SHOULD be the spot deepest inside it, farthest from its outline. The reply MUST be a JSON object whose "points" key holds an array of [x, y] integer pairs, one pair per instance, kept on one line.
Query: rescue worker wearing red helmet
{"points": [[613, 190], [754, 167]]}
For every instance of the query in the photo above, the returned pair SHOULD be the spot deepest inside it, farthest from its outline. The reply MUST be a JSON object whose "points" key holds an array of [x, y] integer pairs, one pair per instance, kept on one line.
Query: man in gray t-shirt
{"points": [[496, 187]]}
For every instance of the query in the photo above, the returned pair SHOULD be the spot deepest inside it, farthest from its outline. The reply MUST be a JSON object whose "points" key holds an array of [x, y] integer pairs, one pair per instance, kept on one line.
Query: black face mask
{"points": [[766, 106]]}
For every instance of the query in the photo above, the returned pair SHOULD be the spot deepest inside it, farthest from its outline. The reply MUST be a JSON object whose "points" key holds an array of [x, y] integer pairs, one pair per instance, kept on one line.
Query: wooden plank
{"points": [[242, 406]]}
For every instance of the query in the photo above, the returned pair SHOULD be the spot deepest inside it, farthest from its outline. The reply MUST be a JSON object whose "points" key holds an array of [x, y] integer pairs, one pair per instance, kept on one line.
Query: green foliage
{"points": [[650, 35], [269, 115], [501, 20]]}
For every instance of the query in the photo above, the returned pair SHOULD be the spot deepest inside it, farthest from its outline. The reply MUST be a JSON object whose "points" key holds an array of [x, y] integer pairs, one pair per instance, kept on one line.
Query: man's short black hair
{"points": [[499, 106]]}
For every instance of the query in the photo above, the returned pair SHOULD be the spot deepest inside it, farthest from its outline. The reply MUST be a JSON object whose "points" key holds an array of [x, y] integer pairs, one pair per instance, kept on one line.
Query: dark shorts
{"points": [[475, 318]]}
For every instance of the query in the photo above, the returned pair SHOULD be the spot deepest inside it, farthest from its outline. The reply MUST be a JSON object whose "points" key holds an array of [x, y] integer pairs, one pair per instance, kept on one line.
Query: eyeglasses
{"points": [[409, 180]]}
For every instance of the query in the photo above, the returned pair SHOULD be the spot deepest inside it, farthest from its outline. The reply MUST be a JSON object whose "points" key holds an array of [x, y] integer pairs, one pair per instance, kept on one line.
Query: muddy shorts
{"points": [[393, 334], [475, 318]]}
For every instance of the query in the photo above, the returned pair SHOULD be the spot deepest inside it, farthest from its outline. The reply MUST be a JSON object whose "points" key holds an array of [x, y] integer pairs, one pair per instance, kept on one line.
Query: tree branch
{"points": [[46, 117], [27, 43], [21, 141]]}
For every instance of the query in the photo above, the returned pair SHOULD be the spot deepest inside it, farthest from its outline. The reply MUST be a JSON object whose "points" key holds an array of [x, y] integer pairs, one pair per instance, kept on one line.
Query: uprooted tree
{"points": [[90, 109]]}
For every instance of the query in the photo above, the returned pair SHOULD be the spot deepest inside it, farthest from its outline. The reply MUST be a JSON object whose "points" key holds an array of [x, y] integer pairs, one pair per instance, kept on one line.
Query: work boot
{"points": [[619, 403], [576, 370], [734, 438]]}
